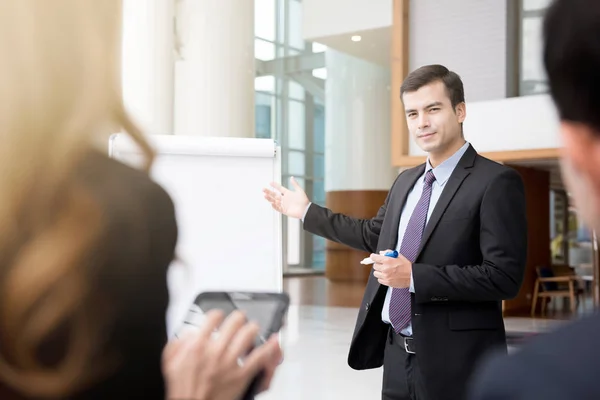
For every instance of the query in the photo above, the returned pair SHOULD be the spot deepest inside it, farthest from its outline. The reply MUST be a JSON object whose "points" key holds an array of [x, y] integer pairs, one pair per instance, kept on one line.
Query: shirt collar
{"points": [[443, 171]]}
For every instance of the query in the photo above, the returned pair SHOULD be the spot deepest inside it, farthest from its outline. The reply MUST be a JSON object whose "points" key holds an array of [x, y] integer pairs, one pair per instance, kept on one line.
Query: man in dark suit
{"points": [[458, 223], [564, 364]]}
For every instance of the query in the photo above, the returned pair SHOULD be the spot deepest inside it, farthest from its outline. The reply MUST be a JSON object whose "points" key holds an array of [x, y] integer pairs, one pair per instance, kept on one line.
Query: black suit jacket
{"points": [[127, 274], [562, 365], [472, 256]]}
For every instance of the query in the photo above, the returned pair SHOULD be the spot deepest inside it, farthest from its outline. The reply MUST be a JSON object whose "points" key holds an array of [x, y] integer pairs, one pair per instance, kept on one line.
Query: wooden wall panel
{"points": [[399, 70], [342, 263], [537, 194]]}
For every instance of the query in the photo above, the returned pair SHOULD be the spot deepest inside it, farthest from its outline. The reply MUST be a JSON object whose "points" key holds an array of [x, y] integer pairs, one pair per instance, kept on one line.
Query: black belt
{"points": [[406, 342]]}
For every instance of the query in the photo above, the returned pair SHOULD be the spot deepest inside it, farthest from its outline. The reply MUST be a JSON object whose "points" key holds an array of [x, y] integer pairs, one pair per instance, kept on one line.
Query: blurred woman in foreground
{"points": [[85, 241]]}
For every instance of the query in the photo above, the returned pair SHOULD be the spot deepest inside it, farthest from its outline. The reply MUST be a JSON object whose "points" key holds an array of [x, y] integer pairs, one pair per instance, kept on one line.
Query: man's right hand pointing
{"points": [[292, 203]]}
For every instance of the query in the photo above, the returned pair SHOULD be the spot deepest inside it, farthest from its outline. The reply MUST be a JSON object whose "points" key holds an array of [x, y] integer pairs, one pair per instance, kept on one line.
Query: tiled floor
{"points": [[315, 344], [316, 340]]}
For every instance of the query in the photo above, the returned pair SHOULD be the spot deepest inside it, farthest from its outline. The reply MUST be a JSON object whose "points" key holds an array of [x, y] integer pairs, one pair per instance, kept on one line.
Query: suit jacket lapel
{"points": [[408, 182], [456, 179]]}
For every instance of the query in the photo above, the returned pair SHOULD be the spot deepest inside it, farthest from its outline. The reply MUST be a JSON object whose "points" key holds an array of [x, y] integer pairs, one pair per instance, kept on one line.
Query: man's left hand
{"points": [[392, 272]]}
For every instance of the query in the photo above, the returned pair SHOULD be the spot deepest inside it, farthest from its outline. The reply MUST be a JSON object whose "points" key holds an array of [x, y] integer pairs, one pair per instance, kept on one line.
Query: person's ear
{"points": [[581, 145], [461, 112]]}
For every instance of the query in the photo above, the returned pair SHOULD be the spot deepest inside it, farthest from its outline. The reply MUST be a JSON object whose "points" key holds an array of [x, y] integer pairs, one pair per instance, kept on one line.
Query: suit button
{"points": [[367, 306]]}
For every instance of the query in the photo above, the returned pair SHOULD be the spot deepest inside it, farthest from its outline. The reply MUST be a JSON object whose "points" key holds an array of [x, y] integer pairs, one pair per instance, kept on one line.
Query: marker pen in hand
{"points": [[391, 253]]}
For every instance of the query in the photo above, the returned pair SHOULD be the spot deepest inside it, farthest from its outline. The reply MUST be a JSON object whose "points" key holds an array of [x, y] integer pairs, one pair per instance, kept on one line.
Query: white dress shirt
{"points": [[442, 173]]}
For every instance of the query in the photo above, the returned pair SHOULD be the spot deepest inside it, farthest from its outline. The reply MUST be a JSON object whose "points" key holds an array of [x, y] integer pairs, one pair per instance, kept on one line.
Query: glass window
{"points": [[295, 233], [281, 21], [318, 47], [264, 99], [262, 121], [294, 230], [296, 127], [280, 114], [264, 50], [533, 77], [320, 73], [264, 19], [295, 29], [264, 115], [319, 129], [319, 192], [318, 166], [296, 163], [265, 83], [318, 261], [296, 91], [301, 182], [532, 5]]}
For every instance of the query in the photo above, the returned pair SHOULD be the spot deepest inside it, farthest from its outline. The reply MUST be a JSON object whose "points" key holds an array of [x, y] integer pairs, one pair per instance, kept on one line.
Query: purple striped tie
{"points": [[400, 302]]}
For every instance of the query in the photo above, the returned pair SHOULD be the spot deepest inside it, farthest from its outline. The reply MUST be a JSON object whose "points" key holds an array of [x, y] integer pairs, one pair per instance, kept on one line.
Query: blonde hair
{"points": [[59, 91]]}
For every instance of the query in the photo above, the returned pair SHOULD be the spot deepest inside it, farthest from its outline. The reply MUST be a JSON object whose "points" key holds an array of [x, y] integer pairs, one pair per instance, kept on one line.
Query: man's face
{"points": [[432, 121], [580, 166]]}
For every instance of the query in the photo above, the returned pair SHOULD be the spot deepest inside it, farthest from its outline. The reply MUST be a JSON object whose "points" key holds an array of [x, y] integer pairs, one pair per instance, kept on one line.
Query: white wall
{"points": [[147, 63], [333, 17], [214, 80], [467, 36], [357, 130], [518, 123]]}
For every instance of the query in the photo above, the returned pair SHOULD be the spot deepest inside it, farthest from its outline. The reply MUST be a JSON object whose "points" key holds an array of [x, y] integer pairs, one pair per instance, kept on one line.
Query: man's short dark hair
{"points": [[432, 73], [572, 59]]}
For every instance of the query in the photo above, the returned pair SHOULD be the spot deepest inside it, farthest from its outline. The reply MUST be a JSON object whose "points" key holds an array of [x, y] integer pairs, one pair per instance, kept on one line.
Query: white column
{"points": [[214, 93], [148, 63], [357, 127]]}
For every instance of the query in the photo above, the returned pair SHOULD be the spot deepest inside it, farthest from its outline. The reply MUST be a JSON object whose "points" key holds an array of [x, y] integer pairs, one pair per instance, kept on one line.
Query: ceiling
{"points": [[375, 44]]}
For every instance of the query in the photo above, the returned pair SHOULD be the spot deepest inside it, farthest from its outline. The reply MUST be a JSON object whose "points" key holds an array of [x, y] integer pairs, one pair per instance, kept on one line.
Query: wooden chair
{"points": [[548, 287]]}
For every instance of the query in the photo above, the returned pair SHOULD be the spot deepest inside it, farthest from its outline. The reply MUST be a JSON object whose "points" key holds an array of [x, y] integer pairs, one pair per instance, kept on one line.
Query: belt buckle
{"points": [[406, 341]]}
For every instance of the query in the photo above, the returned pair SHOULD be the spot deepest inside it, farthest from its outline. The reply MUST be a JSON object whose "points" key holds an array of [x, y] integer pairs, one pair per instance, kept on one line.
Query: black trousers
{"points": [[401, 377]]}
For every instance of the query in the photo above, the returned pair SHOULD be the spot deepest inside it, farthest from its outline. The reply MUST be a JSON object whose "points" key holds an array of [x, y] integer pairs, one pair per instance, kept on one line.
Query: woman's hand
{"points": [[207, 366]]}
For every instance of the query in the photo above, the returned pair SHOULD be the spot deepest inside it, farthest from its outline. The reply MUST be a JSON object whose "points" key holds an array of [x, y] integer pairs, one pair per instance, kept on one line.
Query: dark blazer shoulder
{"points": [[491, 171], [492, 167], [555, 365]]}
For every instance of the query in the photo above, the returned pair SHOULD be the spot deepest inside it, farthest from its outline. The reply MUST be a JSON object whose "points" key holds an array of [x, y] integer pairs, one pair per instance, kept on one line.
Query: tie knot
{"points": [[429, 178]]}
